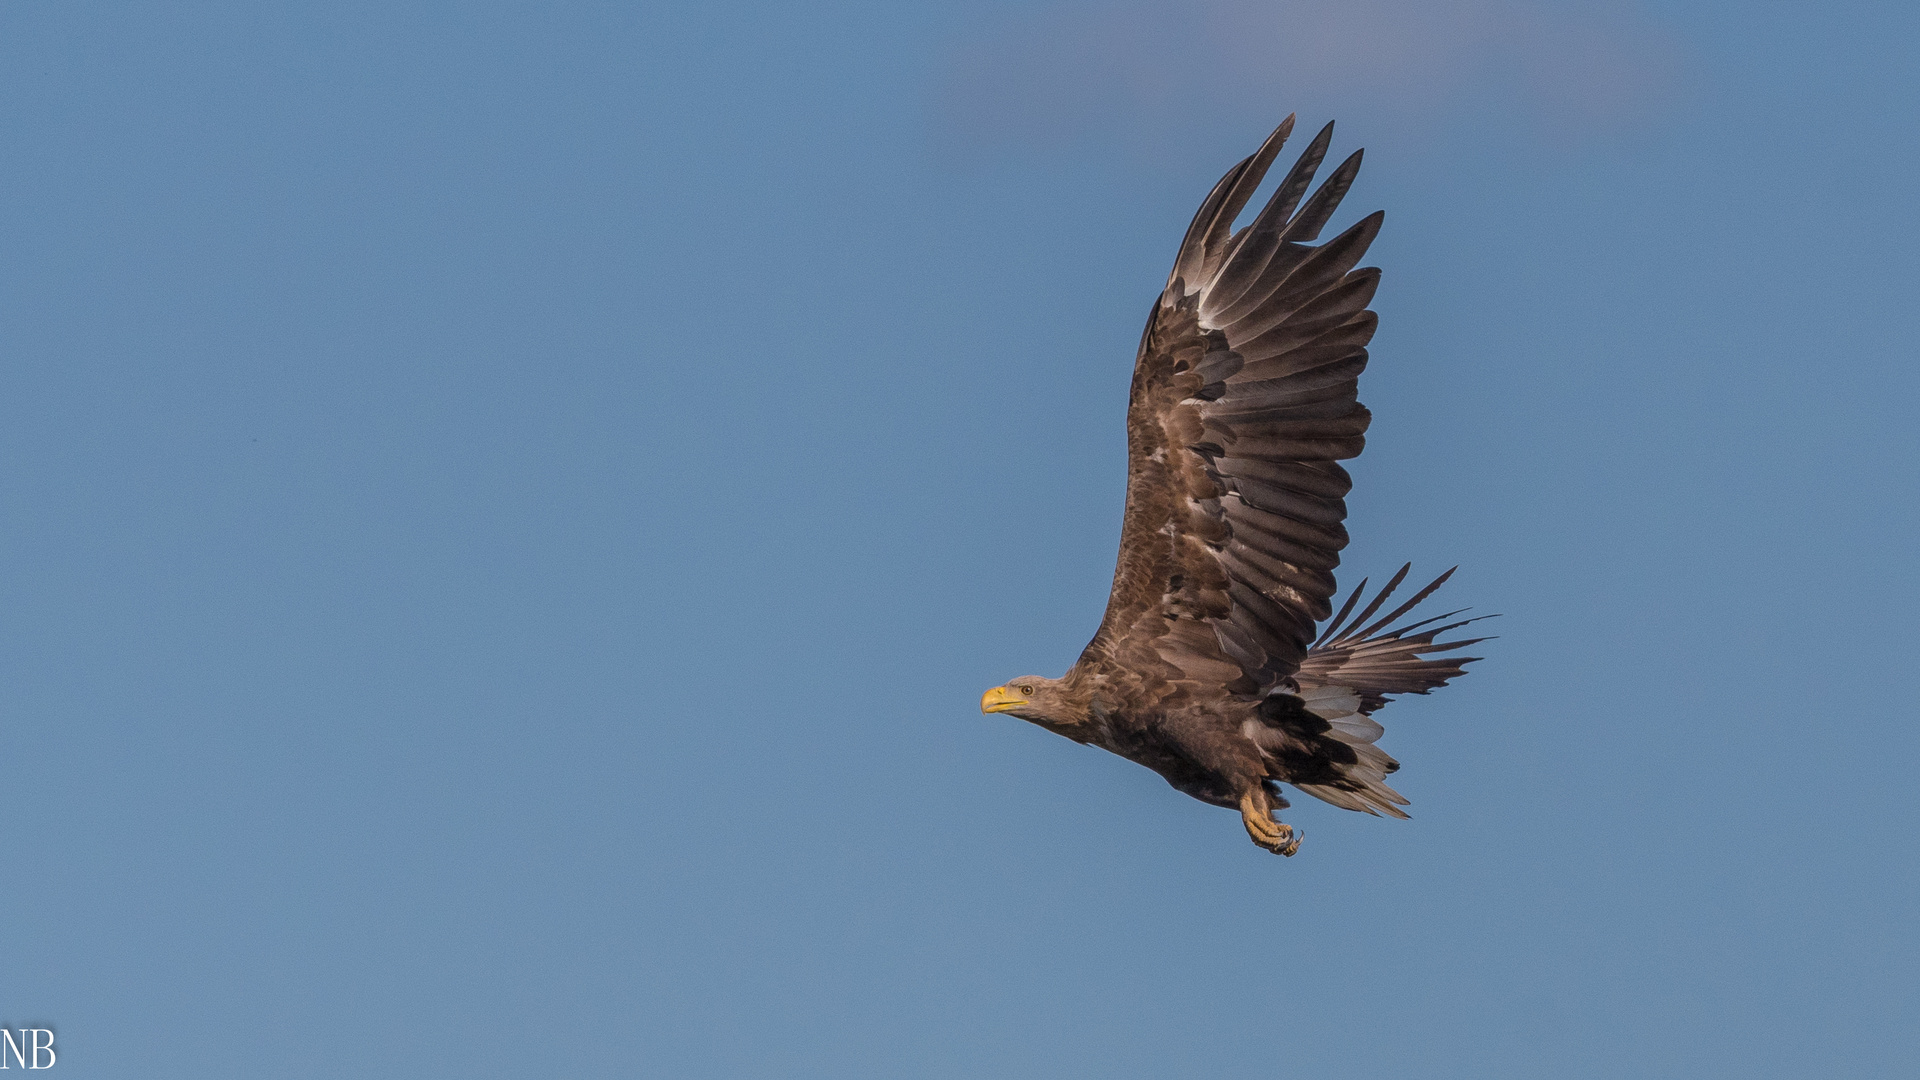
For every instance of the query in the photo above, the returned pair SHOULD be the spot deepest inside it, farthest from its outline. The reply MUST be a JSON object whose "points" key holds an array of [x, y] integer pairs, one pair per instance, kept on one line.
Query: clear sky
{"points": [[507, 510]]}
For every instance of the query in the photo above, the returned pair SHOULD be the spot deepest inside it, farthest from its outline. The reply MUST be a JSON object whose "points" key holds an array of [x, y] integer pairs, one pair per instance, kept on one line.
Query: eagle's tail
{"points": [[1346, 676]]}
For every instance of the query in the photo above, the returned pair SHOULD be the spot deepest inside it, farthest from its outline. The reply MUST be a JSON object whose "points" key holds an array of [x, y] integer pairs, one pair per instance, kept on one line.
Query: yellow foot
{"points": [[1275, 836]]}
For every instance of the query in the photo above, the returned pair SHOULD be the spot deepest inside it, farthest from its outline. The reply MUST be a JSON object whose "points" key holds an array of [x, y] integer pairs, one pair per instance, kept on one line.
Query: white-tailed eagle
{"points": [[1209, 667]]}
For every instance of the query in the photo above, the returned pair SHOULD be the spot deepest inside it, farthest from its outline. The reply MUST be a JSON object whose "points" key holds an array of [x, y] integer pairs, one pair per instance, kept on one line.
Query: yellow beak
{"points": [[1000, 699]]}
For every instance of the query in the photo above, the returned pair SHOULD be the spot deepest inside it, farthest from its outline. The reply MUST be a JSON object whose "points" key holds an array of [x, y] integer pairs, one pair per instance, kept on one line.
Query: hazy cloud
{"points": [[1145, 70]]}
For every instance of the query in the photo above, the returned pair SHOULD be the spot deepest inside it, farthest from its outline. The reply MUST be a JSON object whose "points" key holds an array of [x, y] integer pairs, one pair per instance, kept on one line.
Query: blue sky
{"points": [[506, 512]]}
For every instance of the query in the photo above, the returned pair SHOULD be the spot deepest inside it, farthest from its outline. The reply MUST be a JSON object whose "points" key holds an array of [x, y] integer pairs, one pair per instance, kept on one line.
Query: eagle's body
{"points": [[1206, 668]]}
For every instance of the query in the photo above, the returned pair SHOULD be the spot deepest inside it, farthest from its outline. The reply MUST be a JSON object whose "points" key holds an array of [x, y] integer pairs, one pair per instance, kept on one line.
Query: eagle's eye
{"points": [[1026, 691]]}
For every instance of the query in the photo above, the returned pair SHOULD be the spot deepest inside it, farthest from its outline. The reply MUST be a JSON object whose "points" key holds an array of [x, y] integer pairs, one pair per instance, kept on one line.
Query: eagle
{"points": [[1210, 666]]}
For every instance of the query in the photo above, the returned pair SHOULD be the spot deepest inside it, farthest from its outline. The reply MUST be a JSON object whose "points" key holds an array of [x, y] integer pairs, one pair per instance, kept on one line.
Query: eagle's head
{"points": [[1030, 697]]}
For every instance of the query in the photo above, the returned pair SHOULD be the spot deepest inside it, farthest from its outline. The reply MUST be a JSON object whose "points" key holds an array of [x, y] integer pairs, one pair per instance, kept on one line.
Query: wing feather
{"points": [[1330, 308], [1375, 664], [1254, 246], [1313, 217], [1286, 502], [1339, 377], [1214, 219], [1295, 273]]}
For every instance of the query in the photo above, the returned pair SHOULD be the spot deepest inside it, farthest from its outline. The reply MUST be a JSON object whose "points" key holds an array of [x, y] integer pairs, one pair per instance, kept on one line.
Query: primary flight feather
{"points": [[1207, 668]]}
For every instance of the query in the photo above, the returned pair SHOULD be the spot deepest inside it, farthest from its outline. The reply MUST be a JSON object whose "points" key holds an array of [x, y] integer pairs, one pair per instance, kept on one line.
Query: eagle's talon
{"points": [[1275, 836], [1293, 842], [1285, 842]]}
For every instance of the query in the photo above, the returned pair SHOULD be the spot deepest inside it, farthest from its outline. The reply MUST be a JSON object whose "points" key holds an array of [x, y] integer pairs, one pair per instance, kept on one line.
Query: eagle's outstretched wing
{"points": [[1243, 403], [1373, 662]]}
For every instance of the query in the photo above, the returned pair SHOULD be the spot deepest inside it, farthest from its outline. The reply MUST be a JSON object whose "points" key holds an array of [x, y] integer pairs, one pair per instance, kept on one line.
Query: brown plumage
{"points": [[1206, 668]]}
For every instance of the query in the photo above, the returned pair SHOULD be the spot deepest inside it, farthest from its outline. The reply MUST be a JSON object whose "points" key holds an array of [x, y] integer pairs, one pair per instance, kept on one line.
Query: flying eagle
{"points": [[1207, 668]]}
